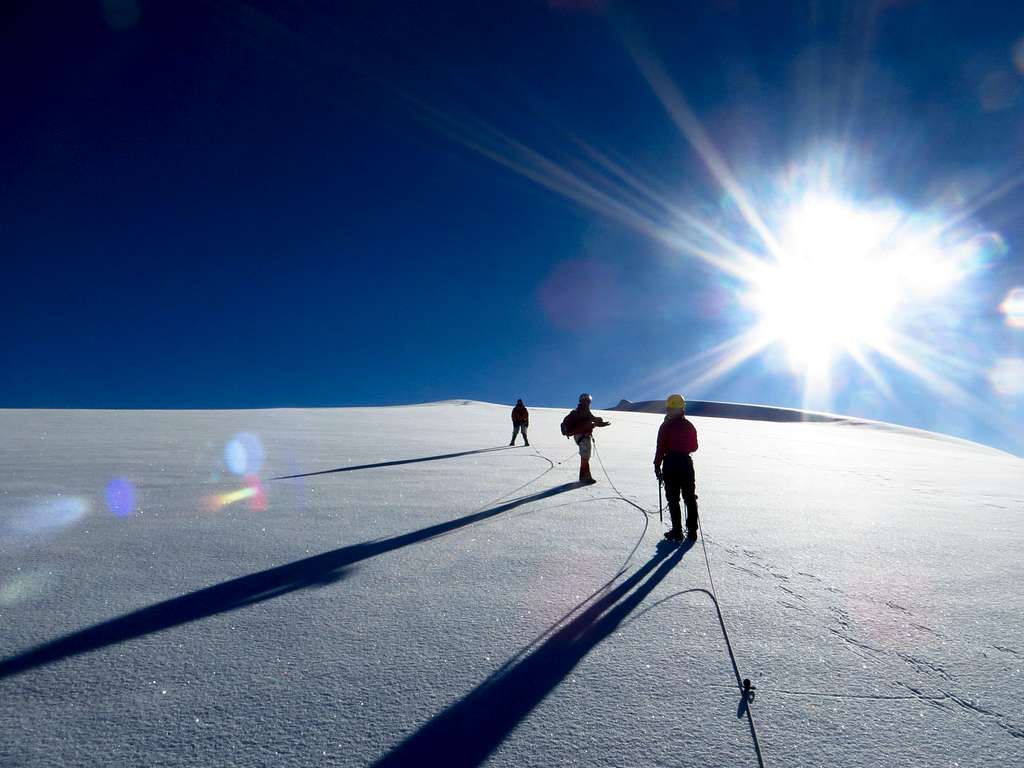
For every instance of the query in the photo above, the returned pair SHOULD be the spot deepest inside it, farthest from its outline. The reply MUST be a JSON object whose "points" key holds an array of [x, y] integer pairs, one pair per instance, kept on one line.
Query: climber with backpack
{"points": [[579, 424]]}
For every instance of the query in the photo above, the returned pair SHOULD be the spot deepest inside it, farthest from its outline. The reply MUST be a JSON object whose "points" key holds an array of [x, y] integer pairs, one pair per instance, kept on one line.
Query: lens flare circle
{"points": [[1013, 308], [244, 454], [120, 497], [1007, 376]]}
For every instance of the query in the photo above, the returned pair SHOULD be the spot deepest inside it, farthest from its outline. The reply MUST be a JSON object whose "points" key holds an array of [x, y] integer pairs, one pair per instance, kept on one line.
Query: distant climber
{"points": [[579, 425], [520, 421], [677, 439]]}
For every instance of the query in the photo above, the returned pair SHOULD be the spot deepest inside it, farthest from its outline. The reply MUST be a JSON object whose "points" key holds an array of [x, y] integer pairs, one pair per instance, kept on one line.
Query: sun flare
{"points": [[842, 276], [830, 290]]}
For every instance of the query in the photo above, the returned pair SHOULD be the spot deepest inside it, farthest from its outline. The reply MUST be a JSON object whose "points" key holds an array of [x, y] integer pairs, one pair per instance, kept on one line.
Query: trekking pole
{"points": [[661, 519]]}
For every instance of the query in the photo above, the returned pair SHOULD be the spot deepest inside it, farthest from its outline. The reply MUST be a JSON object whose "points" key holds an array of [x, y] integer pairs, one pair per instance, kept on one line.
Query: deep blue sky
{"points": [[231, 204]]}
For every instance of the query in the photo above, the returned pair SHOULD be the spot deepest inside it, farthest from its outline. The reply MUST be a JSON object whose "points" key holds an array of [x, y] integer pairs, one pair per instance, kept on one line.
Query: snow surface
{"points": [[483, 609]]}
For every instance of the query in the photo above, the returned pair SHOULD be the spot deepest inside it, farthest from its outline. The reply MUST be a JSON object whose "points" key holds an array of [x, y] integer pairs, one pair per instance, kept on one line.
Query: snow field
{"points": [[483, 608]]}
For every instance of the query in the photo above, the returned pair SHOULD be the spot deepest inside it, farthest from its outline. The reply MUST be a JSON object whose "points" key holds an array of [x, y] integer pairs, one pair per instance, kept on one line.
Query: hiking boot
{"points": [[674, 535], [692, 534]]}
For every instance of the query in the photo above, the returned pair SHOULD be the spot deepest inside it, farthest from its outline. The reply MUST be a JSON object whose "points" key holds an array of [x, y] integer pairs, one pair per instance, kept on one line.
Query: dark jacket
{"points": [[580, 421], [675, 436], [520, 415]]}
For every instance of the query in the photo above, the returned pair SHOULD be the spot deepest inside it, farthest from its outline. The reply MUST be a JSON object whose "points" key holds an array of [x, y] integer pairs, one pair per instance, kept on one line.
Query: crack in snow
{"points": [[1014, 730]]}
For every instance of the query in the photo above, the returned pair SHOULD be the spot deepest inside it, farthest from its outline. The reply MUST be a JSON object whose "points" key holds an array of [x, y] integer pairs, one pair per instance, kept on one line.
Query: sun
{"points": [[834, 286], [861, 291]]}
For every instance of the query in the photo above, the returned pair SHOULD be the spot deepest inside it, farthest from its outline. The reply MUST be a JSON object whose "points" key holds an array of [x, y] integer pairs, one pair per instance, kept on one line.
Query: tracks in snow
{"points": [[809, 595]]}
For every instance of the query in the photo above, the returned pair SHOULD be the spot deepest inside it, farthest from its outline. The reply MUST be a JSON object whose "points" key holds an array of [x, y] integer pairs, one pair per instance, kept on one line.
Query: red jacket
{"points": [[675, 436], [520, 415]]}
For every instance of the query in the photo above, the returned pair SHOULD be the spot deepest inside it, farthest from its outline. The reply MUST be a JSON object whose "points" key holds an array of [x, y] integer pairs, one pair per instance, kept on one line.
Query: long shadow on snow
{"points": [[395, 463], [469, 730], [319, 569]]}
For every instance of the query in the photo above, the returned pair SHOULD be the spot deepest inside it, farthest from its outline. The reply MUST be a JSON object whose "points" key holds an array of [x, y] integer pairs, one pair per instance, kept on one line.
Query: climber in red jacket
{"points": [[520, 422], [677, 439]]}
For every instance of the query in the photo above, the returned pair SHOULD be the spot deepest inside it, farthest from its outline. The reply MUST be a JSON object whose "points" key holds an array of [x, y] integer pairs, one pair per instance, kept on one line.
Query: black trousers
{"points": [[677, 470]]}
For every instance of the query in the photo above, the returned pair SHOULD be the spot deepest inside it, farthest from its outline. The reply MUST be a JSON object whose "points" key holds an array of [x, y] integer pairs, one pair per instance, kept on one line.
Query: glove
{"points": [[657, 474]]}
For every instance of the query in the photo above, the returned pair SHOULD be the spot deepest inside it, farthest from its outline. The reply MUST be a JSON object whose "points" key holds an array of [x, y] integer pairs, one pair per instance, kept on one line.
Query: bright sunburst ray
{"points": [[836, 278], [709, 365], [745, 347], [587, 186], [973, 207], [935, 381], [669, 376], [840, 274], [873, 372], [924, 362], [744, 256], [683, 116]]}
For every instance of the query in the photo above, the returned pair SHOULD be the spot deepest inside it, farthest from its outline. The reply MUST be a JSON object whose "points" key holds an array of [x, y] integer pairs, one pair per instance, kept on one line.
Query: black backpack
{"points": [[568, 423]]}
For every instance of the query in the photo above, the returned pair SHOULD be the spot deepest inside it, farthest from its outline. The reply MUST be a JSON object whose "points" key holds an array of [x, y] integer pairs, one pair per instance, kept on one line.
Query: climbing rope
{"points": [[614, 488], [742, 683]]}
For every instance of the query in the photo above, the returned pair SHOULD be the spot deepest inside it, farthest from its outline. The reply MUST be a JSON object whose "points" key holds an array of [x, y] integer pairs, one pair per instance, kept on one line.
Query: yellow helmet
{"points": [[675, 403]]}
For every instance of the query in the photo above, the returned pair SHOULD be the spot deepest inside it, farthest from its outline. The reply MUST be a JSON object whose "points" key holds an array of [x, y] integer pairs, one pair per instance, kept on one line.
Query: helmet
{"points": [[675, 403], [586, 397]]}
